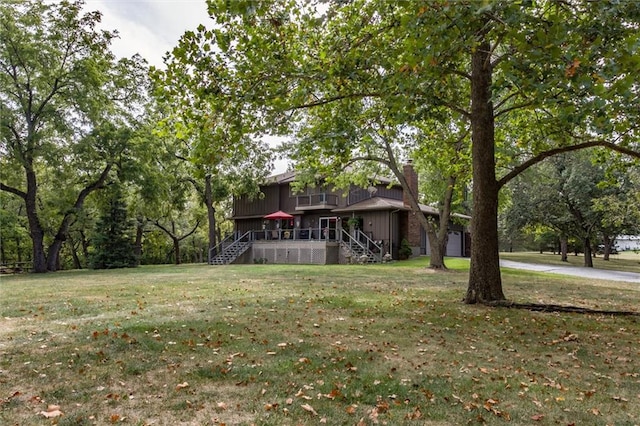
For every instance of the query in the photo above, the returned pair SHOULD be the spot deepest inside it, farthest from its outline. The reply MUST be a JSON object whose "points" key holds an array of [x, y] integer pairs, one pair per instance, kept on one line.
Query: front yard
{"points": [[305, 345]]}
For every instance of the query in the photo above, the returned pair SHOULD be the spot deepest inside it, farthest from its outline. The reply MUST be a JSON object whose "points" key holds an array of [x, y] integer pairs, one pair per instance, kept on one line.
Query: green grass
{"points": [[256, 344], [626, 261]]}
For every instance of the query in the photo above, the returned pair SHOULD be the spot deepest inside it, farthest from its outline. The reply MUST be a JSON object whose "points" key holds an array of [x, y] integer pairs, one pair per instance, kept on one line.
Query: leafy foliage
{"points": [[112, 240], [576, 198], [68, 108]]}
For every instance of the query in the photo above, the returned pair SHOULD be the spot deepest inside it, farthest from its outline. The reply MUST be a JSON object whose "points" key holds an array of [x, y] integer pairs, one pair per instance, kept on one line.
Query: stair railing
{"points": [[227, 244], [361, 242], [372, 247]]}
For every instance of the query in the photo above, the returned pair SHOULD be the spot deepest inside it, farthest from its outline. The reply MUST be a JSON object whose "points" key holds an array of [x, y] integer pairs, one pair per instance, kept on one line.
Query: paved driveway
{"points": [[576, 271]]}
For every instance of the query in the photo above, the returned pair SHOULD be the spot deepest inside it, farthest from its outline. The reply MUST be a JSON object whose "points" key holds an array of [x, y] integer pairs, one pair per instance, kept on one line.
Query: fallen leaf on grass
{"points": [[309, 408], [222, 405], [351, 409], [333, 394], [53, 411], [414, 415], [537, 417], [182, 385], [382, 406]]}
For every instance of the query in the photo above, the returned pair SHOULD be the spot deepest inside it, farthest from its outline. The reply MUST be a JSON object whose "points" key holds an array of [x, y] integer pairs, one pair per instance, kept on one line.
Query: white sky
{"points": [[149, 27], [152, 28]]}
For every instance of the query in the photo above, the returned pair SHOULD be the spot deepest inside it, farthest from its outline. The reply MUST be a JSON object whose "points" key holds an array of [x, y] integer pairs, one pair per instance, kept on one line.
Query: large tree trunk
{"points": [[485, 283], [137, 245], [608, 242], [35, 228], [55, 247], [588, 254], [438, 245], [176, 251], [211, 216], [564, 244]]}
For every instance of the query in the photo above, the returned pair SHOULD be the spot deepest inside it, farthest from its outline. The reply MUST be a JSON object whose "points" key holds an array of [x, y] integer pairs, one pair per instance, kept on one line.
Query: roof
{"points": [[374, 203], [371, 204], [288, 177], [380, 203], [285, 177]]}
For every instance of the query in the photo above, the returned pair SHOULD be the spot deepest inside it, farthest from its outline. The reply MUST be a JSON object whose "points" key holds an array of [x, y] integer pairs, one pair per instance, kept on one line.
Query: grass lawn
{"points": [[306, 345], [625, 261]]}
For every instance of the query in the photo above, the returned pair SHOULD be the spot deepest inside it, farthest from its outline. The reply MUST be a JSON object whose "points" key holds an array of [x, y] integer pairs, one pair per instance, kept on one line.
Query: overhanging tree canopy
{"points": [[532, 78]]}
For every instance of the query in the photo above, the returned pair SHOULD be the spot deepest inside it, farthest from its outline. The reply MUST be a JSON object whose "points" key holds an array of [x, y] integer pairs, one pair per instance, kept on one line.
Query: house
{"points": [[628, 242], [324, 225]]}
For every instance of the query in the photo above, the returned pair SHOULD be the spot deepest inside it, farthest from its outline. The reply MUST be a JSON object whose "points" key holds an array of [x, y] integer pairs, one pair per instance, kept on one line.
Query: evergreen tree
{"points": [[112, 242]]}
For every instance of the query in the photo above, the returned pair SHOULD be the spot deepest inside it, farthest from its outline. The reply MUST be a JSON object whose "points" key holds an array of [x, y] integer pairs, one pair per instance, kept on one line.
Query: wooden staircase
{"points": [[359, 248], [228, 251]]}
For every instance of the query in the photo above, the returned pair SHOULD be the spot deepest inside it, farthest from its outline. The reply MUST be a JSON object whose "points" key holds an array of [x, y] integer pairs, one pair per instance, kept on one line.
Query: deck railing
{"points": [[322, 199], [298, 234]]}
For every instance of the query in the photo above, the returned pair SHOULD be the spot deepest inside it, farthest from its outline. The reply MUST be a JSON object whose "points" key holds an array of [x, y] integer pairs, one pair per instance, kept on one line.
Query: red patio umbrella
{"points": [[278, 215]]}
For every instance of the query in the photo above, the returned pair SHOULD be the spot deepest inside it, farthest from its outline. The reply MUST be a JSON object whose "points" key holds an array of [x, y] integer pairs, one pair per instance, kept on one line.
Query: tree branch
{"points": [[13, 190], [326, 101], [546, 154], [512, 108], [191, 232], [97, 184], [172, 235]]}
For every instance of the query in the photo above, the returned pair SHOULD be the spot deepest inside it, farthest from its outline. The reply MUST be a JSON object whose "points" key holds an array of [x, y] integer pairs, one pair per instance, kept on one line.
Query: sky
{"points": [[149, 27], [152, 28]]}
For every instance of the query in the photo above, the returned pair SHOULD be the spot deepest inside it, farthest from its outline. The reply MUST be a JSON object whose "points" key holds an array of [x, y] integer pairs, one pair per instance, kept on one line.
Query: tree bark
{"points": [[176, 250], [441, 234], [485, 282], [437, 250], [608, 242], [211, 216], [35, 227], [588, 254], [137, 246], [564, 244], [438, 236]]}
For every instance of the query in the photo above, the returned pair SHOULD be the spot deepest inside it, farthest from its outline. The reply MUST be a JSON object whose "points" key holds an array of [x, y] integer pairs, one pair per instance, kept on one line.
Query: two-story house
{"points": [[324, 225]]}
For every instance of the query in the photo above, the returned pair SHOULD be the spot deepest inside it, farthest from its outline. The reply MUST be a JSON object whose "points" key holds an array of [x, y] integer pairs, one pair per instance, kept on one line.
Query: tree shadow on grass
{"points": [[544, 307]]}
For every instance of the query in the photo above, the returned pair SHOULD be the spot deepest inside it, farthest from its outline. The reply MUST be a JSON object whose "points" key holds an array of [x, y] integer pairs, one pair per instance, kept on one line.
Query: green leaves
{"points": [[67, 113]]}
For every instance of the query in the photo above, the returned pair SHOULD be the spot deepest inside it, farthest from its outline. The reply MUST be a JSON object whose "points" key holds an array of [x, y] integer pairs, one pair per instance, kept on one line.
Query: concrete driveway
{"points": [[575, 271]]}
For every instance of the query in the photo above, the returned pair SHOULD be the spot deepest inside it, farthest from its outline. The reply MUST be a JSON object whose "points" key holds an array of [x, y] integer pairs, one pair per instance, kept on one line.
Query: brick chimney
{"points": [[414, 229], [412, 179]]}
